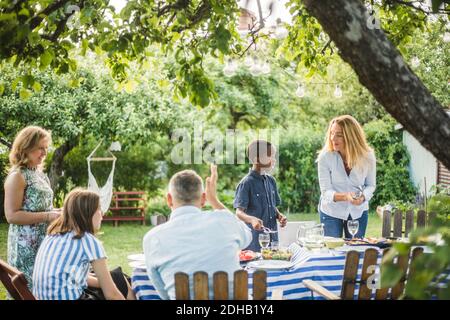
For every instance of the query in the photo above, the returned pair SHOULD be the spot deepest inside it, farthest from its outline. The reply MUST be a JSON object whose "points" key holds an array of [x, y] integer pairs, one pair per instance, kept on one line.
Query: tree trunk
{"points": [[56, 166], [381, 69]]}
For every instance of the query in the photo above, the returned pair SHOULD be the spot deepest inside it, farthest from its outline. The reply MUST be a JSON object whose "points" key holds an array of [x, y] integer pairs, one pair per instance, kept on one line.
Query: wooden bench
{"points": [[127, 206]]}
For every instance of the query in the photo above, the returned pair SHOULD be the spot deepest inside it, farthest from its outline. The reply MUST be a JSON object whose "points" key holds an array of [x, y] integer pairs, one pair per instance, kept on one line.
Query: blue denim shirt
{"points": [[257, 195]]}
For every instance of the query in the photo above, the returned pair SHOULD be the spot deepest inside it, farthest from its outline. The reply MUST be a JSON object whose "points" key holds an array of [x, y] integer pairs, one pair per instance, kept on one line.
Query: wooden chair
{"points": [[398, 231], [365, 293], [14, 282], [127, 206], [220, 286]]}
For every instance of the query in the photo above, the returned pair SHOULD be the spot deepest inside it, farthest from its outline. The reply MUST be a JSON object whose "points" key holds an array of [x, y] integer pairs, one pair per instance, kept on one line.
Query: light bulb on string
{"points": [[338, 92], [301, 91], [248, 61], [265, 69], [256, 69], [281, 32], [446, 37], [230, 69], [415, 62]]}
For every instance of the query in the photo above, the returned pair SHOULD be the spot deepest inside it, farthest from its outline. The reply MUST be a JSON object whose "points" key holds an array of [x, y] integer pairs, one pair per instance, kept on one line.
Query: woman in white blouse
{"points": [[347, 177]]}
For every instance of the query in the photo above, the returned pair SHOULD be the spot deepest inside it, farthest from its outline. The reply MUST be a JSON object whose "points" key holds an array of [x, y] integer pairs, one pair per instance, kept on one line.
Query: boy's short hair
{"points": [[258, 148], [186, 186]]}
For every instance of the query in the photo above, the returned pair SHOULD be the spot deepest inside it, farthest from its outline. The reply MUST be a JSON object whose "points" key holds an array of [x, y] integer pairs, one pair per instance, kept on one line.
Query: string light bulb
{"points": [[446, 37], [338, 92], [256, 69], [230, 69], [265, 69], [248, 61], [281, 32], [301, 91]]}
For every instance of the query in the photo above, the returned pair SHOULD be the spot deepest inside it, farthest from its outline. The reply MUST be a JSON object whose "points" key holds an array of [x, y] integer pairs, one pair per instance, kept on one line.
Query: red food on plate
{"points": [[247, 255]]}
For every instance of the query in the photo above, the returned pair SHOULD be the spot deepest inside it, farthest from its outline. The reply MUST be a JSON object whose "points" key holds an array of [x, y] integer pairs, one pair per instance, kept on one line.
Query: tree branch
{"points": [[411, 5], [6, 143], [35, 21], [383, 71]]}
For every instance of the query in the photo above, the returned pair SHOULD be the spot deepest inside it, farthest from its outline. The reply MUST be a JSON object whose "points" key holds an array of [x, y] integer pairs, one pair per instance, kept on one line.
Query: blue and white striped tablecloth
{"points": [[326, 268]]}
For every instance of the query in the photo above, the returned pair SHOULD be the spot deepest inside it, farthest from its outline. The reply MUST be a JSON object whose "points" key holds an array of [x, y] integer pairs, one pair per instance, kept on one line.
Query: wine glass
{"points": [[264, 240], [353, 226]]}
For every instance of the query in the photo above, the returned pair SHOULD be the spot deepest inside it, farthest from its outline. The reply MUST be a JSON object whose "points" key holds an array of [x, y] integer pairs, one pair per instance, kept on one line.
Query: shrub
{"points": [[393, 181], [297, 178]]}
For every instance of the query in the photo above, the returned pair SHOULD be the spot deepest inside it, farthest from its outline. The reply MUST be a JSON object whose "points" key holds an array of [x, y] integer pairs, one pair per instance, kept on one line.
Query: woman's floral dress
{"points": [[24, 240]]}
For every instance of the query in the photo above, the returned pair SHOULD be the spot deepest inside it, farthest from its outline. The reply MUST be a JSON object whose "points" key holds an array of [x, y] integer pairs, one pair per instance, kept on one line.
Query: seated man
{"points": [[193, 240]]}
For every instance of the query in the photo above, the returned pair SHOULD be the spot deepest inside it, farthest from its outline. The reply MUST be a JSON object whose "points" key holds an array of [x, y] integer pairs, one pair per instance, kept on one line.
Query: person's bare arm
{"points": [[93, 281], [105, 280], [14, 192], [211, 190], [256, 223], [281, 218]]}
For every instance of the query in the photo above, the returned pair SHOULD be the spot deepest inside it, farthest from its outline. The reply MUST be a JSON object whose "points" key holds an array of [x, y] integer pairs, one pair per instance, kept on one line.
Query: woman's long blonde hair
{"points": [[26, 141], [356, 148]]}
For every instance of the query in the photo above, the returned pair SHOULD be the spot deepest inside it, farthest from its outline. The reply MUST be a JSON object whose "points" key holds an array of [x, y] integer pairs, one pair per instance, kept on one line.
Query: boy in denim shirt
{"points": [[256, 197]]}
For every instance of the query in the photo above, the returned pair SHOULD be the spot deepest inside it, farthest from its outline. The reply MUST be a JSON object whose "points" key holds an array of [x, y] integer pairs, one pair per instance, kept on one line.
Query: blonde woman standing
{"points": [[347, 177], [28, 198]]}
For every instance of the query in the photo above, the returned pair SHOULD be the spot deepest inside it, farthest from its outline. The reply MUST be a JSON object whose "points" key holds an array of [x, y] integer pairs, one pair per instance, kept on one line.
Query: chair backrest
{"points": [[398, 216], [14, 282], [350, 281], [220, 286]]}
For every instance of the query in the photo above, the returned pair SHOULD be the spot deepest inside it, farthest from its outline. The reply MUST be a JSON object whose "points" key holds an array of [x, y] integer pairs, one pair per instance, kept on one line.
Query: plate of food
{"points": [[376, 242], [359, 248], [270, 264], [248, 255], [276, 254]]}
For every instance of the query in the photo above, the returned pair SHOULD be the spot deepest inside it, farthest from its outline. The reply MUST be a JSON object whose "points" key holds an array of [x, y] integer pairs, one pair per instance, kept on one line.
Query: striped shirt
{"points": [[62, 266]]}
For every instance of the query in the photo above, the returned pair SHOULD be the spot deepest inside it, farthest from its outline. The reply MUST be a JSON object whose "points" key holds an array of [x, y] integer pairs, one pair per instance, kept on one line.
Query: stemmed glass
{"points": [[353, 226], [264, 240]]}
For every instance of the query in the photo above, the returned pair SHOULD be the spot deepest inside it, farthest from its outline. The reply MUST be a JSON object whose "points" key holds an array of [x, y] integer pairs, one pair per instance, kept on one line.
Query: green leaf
{"points": [[37, 86], [15, 83], [24, 12], [390, 275], [46, 58], [27, 80], [2, 89], [130, 86], [24, 94]]}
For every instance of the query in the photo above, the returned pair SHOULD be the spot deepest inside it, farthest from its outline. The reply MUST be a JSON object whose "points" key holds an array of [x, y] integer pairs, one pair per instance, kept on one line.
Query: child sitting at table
{"points": [[62, 264], [257, 197]]}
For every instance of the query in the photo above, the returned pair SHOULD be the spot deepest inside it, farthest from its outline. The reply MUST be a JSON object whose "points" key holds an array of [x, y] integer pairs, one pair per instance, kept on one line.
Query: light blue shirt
{"points": [[193, 241], [333, 178]]}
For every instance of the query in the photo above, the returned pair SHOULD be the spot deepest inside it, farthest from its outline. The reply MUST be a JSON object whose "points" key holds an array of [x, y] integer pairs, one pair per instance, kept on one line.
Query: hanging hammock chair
{"points": [[106, 192]]}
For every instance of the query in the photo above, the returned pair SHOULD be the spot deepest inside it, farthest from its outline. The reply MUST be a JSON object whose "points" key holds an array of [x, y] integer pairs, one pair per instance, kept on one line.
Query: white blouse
{"points": [[333, 178]]}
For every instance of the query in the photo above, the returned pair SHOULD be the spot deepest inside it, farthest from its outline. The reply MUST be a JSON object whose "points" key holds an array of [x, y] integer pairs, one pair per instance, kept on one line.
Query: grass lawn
{"points": [[127, 239]]}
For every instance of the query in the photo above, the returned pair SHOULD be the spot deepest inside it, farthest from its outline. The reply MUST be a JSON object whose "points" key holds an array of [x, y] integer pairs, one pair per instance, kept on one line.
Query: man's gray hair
{"points": [[186, 186]]}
